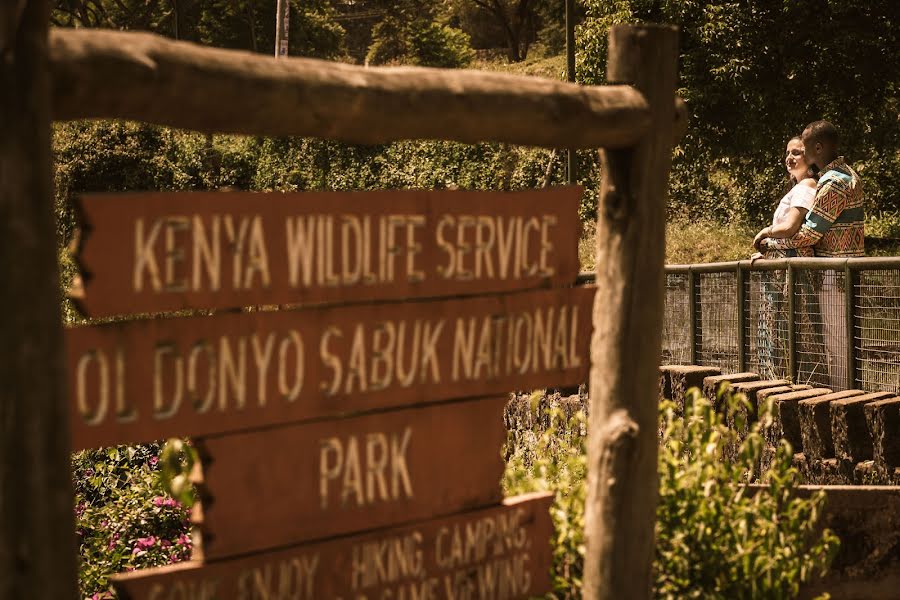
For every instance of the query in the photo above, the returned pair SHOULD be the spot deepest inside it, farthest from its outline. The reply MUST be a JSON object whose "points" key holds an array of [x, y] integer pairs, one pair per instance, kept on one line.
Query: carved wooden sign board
{"points": [[342, 367]]}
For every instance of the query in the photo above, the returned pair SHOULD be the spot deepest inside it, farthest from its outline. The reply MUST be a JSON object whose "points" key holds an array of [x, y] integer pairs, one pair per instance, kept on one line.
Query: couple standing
{"points": [[821, 215]]}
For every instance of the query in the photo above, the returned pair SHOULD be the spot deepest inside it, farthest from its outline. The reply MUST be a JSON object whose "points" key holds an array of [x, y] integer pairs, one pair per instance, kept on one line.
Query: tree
{"points": [[753, 74], [519, 21]]}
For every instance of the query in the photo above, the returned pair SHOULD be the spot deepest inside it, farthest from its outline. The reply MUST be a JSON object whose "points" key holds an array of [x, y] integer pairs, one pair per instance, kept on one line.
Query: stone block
{"points": [[785, 418], [712, 383], [883, 421], [676, 380], [815, 423], [849, 431]]}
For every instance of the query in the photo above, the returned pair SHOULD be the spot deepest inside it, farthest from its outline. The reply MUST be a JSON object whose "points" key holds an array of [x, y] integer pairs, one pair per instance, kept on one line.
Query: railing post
{"points": [[694, 328], [741, 318], [851, 278], [790, 276]]}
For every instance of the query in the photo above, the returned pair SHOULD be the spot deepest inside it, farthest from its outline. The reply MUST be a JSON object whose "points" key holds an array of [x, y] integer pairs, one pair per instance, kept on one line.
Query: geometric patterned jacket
{"points": [[834, 226]]}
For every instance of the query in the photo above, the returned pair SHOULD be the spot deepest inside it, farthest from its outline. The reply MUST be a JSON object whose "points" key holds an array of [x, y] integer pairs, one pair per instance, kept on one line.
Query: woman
{"points": [[773, 322], [792, 209]]}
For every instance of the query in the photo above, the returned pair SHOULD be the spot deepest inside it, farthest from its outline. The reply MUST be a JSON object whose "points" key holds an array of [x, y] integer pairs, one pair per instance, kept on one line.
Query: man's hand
{"points": [[762, 235]]}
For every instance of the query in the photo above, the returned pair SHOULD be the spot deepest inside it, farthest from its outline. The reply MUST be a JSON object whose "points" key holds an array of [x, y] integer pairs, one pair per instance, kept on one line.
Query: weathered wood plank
{"points": [[626, 347], [164, 251], [151, 379], [334, 477], [498, 552], [144, 77]]}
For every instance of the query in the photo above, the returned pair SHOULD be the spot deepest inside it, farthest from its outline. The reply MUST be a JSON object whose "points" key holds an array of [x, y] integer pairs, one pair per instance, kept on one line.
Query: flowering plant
{"points": [[124, 519]]}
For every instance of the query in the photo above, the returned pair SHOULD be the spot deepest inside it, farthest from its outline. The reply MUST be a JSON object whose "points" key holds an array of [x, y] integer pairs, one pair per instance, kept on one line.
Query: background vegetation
{"points": [[715, 538], [753, 74]]}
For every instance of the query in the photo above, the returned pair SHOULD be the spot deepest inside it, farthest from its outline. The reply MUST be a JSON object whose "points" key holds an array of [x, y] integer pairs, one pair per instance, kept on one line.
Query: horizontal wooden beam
{"points": [[144, 77]]}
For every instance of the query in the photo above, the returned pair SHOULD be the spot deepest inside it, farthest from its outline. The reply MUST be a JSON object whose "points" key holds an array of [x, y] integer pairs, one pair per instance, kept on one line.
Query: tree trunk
{"points": [[251, 22], [37, 534], [625, 350]]}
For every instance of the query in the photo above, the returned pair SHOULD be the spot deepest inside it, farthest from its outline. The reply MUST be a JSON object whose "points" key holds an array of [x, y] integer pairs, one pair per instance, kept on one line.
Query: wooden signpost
{"points": [[152, 252], [189, 255], [496, 553], [328, 407], [330, 478], [151, 379]]}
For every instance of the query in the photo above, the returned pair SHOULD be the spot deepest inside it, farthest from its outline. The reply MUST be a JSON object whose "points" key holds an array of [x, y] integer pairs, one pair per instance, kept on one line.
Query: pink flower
{"points": [[153, 460], [183, 540], [163, 501], [165, 543], [144, 543]]}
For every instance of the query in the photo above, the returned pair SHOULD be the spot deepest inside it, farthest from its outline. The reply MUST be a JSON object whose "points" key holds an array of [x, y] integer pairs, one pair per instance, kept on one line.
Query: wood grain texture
{"points": [[37, 541], [620, 510], [152, 379], [509, 557], [292, 484], [165, 251], [139, 76]]}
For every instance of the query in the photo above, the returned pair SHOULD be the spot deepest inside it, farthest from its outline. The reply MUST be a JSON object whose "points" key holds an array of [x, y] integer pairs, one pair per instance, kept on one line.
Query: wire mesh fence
{"points": [[716, 336], [825, 322], [767, 324], [877, 329], [676, 345]]}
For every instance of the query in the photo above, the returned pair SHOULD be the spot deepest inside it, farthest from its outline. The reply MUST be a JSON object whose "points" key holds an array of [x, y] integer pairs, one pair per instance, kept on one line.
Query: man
{"points": [[832, 228]]}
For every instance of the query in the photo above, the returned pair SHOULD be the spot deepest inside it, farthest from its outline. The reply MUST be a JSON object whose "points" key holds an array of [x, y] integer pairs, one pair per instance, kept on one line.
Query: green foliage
{"points": [[177, 461], [237, 24], [754, 74], [418, 42], [124, 520], [100, 156], [716, 536]]}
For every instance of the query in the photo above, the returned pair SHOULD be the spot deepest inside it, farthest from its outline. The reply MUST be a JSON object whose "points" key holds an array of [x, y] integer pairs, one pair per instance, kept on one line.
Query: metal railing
{"points": [[820, 321], [832, 322]]}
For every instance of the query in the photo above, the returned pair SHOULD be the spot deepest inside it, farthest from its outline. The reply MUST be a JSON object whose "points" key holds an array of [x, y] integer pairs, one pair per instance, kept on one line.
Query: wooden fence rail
{"points": [[145, 77]]}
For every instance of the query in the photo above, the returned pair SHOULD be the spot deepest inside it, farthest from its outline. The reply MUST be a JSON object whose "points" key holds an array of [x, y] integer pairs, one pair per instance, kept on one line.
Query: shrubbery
{"points": [[124, 519], [121, 156], [716, 538]]}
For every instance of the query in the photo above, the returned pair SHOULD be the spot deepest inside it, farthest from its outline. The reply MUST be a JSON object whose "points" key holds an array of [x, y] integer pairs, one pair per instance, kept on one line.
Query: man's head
{"points": [[820, 143]]}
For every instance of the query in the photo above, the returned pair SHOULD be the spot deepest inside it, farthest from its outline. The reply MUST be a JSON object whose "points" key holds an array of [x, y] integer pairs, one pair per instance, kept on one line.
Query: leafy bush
{"points": [[124, 519], [754, 74], [419, 42], [715, 536]]}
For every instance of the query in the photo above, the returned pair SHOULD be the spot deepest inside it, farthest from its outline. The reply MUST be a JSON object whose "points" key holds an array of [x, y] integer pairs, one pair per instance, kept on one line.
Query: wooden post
{"points": [[282, 16], [37, 535], [626, 347]]}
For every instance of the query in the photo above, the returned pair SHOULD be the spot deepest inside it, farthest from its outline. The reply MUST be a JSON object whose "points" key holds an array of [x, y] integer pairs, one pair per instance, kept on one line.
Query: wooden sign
{"points": [[499, 553], [335, 477], [152, 379], [156, 252]]}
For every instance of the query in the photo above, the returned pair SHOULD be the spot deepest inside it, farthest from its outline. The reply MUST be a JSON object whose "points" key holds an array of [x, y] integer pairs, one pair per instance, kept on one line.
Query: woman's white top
{"points": [[800, 196]]}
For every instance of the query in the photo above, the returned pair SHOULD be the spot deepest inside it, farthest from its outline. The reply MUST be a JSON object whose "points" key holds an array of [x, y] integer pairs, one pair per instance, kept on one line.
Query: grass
{"points": [[687, 243], [705, 241]]}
